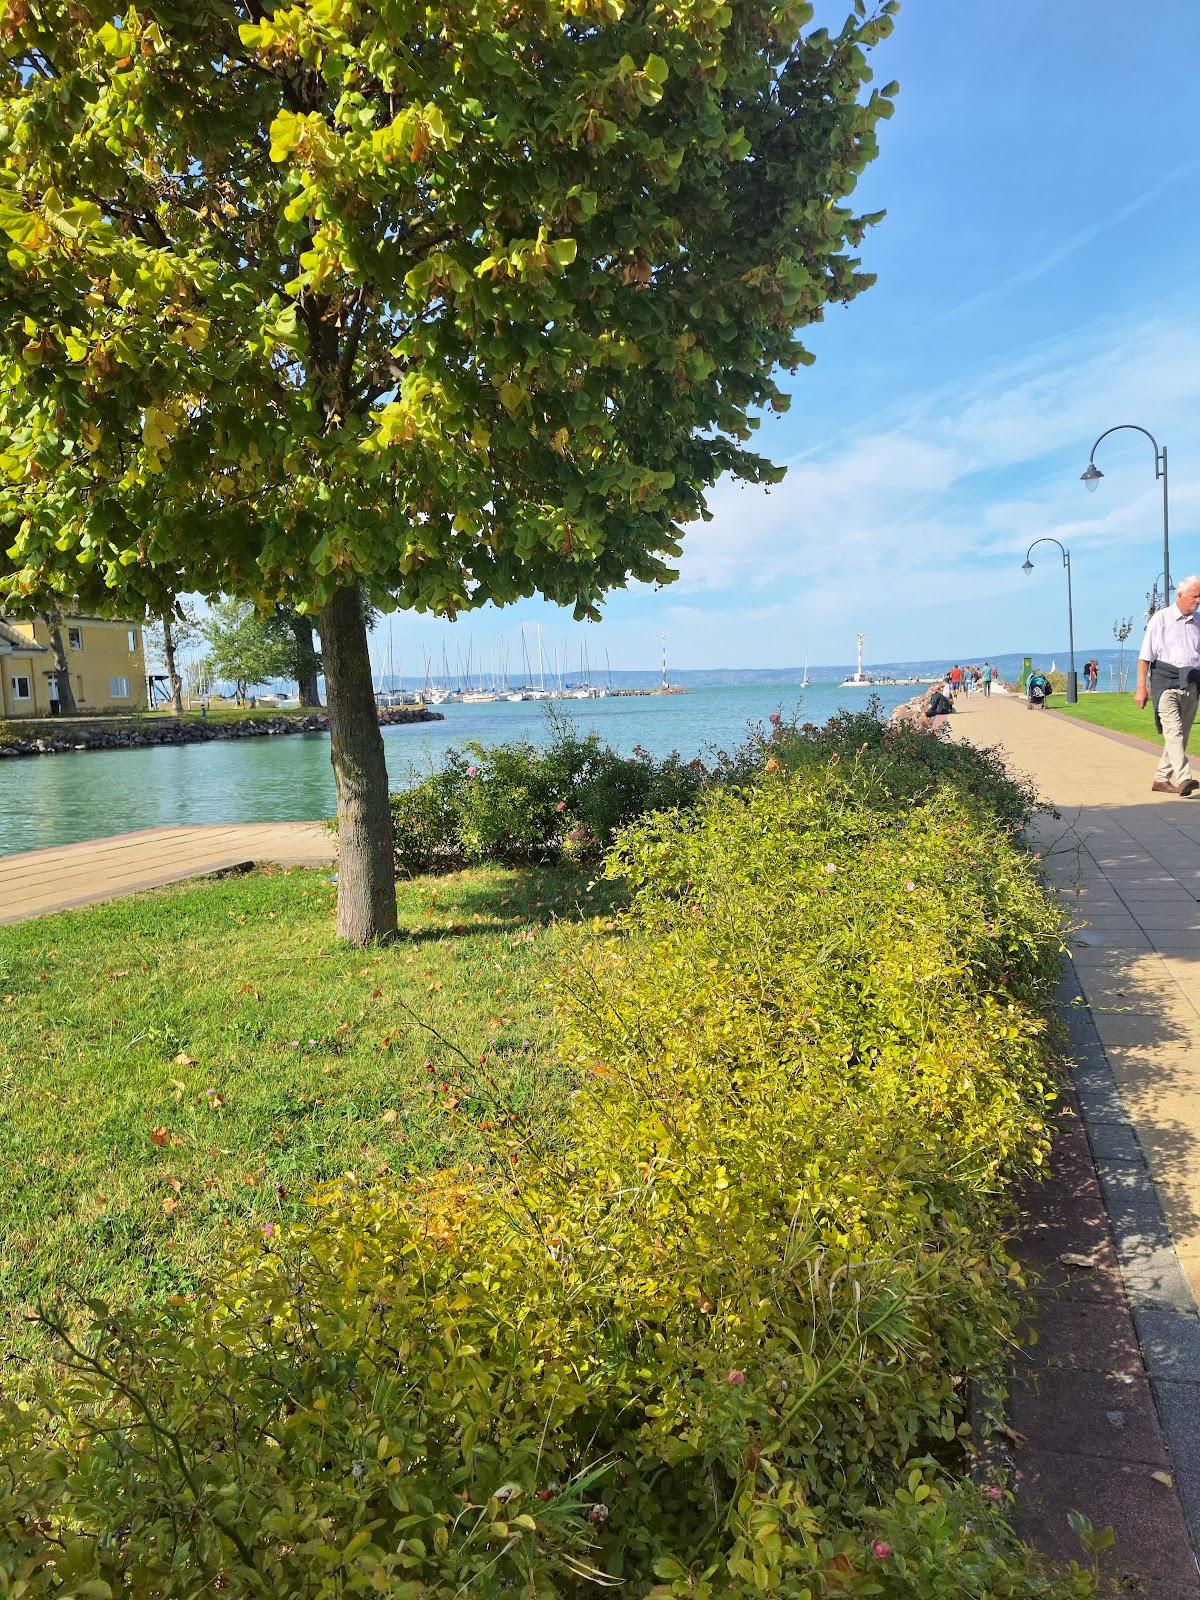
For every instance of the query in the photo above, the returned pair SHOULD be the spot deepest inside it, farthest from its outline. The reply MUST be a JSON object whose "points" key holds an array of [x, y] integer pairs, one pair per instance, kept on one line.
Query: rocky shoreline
{"points": [[53, 739]]}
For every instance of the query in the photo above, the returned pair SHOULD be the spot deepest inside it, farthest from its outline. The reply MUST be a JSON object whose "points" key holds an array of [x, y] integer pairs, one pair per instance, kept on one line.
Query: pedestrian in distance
{"points": [[955, 680], [986, 681], [1093, 674], [1169, 676], [1037, 691]]}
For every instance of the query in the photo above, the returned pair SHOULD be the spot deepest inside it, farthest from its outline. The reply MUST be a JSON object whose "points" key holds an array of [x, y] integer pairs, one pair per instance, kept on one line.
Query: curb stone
{"points": [[1164, 1311]]}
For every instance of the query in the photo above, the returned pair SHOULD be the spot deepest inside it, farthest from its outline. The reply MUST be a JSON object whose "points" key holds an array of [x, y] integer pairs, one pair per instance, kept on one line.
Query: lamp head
{"points": [[1027, 565], [1091, 477]]}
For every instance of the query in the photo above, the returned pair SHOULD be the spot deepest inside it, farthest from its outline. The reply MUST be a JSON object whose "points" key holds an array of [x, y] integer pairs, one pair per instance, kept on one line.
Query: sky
{"points": [[1035, 286]]}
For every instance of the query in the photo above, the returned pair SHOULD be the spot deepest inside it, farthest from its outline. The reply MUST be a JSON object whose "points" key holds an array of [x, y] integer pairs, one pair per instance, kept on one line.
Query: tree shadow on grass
{"points": [[465, 903]]}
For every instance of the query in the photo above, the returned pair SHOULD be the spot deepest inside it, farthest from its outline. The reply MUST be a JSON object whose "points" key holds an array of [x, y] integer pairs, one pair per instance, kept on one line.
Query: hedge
{"points": [[717, 1343], [522, 804]]}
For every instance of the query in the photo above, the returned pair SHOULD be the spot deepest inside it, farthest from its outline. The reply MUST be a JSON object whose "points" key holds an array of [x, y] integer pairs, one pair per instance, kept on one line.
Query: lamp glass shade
{"points": [[1091, 477], [1027, 565]]}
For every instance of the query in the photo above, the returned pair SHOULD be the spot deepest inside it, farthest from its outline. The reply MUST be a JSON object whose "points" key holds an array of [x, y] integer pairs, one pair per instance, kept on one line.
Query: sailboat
{"points": [[804, 679]]}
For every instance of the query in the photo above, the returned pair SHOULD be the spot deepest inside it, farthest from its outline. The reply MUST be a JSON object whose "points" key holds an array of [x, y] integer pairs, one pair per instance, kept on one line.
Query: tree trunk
{"points": [[307, 662], [62, 670], [366, 910], [173, 677]]}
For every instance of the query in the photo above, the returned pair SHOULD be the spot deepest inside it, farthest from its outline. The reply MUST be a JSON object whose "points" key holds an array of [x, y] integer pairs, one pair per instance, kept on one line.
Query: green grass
{"points": [[1116, 711], [177, 1066]]}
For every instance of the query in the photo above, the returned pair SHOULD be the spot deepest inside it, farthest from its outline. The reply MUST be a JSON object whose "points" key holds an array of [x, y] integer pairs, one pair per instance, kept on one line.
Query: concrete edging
{"points": [[1165, 1314]]}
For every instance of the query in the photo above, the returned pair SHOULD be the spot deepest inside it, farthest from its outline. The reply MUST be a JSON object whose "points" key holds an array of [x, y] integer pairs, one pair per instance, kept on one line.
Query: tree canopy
{"points": [[455, 302]]}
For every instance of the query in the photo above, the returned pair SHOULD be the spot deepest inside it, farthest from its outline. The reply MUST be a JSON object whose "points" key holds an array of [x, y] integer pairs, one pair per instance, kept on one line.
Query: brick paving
{"points": [[1109, 1395], [37, 882]]}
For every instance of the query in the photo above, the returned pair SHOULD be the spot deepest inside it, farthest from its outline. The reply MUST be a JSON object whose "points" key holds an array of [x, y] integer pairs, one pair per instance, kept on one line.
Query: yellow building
{"points": [[105, 660]]}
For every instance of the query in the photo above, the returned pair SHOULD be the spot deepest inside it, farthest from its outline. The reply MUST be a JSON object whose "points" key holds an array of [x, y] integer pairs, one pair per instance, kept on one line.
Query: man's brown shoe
{"points": [[1188, 786], [1165, 788]]}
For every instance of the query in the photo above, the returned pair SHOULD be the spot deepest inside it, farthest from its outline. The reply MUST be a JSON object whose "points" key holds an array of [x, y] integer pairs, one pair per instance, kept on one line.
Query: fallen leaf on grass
{"points": [[389, 1116], [183, 1060], [160, 1136], [169, 1204], [1070, 1259], [173, 1183]]}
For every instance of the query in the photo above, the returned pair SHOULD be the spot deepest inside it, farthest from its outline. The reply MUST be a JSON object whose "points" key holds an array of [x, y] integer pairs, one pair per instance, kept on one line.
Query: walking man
{"points": [[1169, 674], [987, 679]]}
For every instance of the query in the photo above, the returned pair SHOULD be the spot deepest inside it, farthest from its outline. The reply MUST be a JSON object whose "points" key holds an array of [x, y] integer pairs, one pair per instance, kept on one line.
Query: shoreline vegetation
{"points": [[645, 1225], [64, 736]]}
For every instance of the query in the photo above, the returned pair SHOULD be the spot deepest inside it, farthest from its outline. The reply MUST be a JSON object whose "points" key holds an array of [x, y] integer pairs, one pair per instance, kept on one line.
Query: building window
{"points": [[133, 641], [20, 687], [118, 688], [75, 638]]}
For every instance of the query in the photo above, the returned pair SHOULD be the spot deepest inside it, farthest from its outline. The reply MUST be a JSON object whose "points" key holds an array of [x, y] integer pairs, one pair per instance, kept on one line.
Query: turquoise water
{"points": [[49, 800]]}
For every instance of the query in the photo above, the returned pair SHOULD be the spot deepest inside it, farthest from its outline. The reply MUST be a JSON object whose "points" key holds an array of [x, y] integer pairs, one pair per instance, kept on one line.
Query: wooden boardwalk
{"points": [[38, 882]]}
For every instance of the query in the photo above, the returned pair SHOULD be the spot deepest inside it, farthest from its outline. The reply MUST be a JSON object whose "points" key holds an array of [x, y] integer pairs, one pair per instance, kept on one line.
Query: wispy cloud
{"points": [[958, 476]]}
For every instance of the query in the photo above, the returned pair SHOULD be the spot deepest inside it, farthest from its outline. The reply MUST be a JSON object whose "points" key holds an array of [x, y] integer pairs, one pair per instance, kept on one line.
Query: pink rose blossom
{"points": [[881, 1550], [268, 1229], [735, 1377], [561, 806], [472, 772]]}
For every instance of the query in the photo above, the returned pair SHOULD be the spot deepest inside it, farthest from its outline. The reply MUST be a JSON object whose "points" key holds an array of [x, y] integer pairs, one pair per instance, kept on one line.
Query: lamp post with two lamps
{"points": [[1027, 567], [1091, 477]]}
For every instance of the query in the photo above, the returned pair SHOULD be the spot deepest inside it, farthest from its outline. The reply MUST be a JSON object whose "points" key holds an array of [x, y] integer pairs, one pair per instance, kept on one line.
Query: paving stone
{"points": [[1098, 1092], [1085, 1334], [1146, 1516], [1115, 1141], [1170, 1342], [1153, 1276], [1179, 1407], [1089, 1414]]}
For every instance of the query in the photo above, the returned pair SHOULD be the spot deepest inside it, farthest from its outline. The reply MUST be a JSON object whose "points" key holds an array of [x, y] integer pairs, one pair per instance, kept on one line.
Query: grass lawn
{"points": [[176, 1066], [1115, 711]]}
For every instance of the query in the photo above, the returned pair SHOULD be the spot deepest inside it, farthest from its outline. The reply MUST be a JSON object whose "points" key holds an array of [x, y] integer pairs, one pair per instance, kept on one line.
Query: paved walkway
{"points": [[38, 882], [1107, 1404], [1127, 863]]}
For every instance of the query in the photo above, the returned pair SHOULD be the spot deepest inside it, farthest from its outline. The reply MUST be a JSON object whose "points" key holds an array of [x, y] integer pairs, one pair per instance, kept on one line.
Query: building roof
{"points": [[18, 640]]}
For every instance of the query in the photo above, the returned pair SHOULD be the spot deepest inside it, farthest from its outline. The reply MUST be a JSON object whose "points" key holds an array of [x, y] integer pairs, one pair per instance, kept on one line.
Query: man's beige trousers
{"points": [[1176, 712]]}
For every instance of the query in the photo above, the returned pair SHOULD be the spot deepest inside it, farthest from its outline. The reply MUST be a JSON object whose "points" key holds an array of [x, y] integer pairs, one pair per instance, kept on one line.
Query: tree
{"points": [[62, 669], [305, 656], [1122, 628], [246, 647], [435, 305], [177, 627]]}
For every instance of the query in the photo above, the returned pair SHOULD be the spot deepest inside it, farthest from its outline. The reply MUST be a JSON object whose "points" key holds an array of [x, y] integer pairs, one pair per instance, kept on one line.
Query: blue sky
{"points": [[1036, 286]]}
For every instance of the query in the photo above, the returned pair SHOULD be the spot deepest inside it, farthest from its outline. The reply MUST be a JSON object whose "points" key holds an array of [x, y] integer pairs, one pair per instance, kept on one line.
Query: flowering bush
{"points": [[519, 804], [713, 1345]]}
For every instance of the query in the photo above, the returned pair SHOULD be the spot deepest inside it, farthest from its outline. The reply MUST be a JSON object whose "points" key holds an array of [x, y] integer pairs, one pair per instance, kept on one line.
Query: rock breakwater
{"points": [[52, 738]]}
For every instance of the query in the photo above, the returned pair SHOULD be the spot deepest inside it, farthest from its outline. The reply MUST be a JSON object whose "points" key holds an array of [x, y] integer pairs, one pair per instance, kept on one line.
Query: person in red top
{"points": [[956, 679]]}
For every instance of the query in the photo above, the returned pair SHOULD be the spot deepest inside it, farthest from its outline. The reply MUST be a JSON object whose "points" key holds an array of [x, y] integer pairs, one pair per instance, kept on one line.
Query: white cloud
{"points": [[977, 470]]}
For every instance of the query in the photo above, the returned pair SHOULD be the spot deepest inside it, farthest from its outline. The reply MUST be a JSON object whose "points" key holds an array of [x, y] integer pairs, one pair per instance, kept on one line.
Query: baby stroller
{"points": [[1037, 691]]}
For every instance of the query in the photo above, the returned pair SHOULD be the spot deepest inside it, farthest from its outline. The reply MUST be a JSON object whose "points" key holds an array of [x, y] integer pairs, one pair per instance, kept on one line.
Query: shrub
{"points": [[519, 804], [716, 1347]]}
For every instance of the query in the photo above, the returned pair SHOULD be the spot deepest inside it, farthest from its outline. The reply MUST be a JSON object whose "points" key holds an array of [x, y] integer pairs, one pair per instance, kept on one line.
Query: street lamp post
{"points": [[1092, 475], [1027, 567]]}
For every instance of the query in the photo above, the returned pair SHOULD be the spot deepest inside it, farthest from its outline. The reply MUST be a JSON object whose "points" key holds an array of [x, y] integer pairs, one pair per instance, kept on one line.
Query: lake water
{"points": [[49, 800]]}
